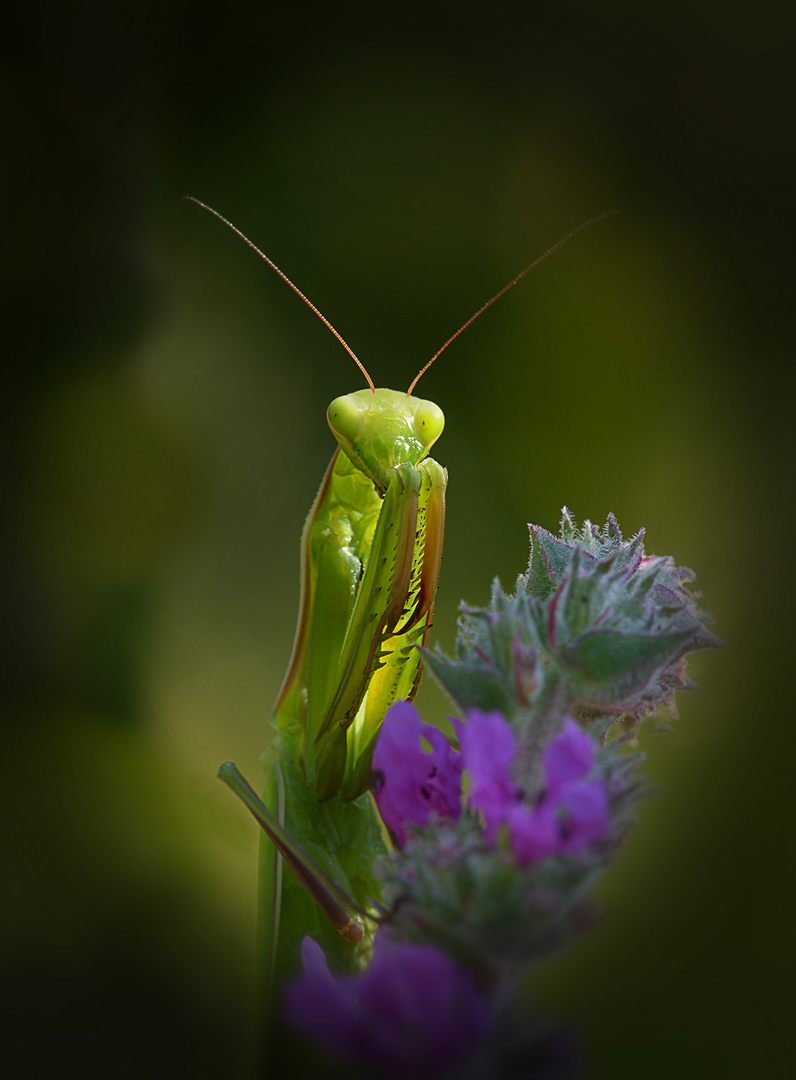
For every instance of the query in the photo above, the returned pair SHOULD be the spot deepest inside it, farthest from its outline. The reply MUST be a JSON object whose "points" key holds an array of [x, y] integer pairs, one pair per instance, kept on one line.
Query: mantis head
{"points": [[383, 428]]}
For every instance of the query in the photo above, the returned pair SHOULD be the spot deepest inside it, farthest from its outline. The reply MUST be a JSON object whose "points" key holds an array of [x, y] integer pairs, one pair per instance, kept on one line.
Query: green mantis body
{"points": [[370, 558]]}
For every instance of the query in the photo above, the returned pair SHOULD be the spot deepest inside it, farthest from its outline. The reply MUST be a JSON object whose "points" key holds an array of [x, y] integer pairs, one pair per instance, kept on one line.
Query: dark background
{"points": [[163, 436]]}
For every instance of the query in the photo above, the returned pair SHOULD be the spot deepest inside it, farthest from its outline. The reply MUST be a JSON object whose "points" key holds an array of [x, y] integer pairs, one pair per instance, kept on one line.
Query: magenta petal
{"points": [[425, 1013], [320, 1006], [488, 747], [411, 1014], [583, 811], [533, 834], [569, 756], [413, 784], [313, 960], [443, 786]]}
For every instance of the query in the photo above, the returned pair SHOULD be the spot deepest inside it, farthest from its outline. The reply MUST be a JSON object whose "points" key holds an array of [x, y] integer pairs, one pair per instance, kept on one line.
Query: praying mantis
{"points": [[371, 551]]}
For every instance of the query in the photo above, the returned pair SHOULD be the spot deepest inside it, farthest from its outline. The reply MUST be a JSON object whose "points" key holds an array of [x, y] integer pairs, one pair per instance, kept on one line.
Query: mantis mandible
{"points": [[371, 550]]}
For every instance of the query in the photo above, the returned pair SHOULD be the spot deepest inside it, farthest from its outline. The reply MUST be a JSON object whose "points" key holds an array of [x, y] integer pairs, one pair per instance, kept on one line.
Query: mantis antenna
{"points": [[560, 243], [295, 288]]}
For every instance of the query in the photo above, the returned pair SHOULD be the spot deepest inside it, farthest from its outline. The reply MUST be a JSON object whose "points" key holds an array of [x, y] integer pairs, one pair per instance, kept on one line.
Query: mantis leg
{"points": [[338, 840]]}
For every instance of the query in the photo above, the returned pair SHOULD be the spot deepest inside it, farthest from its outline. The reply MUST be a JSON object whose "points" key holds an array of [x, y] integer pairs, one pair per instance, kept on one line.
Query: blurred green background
{"points": [[164, 434]]}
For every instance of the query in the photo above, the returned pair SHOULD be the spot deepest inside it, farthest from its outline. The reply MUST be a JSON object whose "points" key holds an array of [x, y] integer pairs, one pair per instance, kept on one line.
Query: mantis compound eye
{"points": [[429, 422], [345, 418]]}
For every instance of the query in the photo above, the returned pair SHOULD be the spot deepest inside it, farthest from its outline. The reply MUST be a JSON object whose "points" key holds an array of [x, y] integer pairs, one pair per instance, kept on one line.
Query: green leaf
{"points": [[470, 686], [553, 554], [538, 580], [611, 667]]}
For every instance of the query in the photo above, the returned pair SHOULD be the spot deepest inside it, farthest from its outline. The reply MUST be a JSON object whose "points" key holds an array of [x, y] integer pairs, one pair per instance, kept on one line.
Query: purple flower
{"points": [[488, 749], [414, 784], [580, 805], [572, 811], [533, 832], [570, 756], [582, 811], [412, 1012]]}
